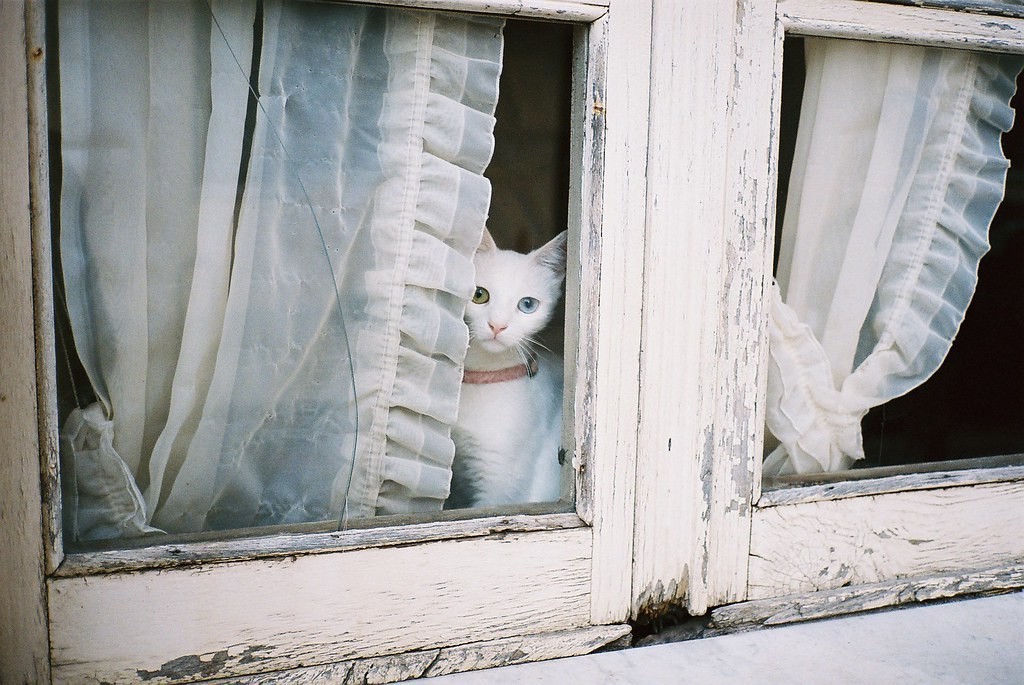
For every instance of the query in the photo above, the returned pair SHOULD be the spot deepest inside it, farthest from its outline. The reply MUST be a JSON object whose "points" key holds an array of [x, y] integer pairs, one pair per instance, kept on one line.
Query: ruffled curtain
{"points": [[266, 292], [897, 173]]}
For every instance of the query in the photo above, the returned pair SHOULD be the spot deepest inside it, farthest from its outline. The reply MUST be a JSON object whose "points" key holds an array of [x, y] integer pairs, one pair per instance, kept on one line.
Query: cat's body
{"points": [[509, 429]]}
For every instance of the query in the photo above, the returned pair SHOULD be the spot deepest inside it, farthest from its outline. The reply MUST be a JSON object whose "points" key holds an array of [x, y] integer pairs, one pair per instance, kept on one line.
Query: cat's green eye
{"points": [[528, 305], [481, 296]]}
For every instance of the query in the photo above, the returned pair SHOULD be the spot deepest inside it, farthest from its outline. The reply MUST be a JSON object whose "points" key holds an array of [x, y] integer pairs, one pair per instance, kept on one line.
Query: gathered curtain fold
{"points": [[897, 174], [268, 216]]}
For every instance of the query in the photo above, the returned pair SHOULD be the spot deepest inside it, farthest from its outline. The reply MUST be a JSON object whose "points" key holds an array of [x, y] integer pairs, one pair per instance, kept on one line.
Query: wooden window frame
{"points": [[893, 535], [705, 537], [674, 172], [408, 599], [322, 537]]}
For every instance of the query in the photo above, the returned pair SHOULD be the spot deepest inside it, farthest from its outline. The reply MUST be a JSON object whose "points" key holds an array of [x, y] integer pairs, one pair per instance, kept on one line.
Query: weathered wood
{"points": [[831, 544], [42, 266], [238, 619], [23, 641], [901, 24], [185, 550], [551, 10], [849, 600], [703, 327], [691, 67], [583, 277], [993, 7], [871, 534], [686, 105], [954, 465], [771, 216], [615, 114], [742, 316], [888, 480], [437, 662]]}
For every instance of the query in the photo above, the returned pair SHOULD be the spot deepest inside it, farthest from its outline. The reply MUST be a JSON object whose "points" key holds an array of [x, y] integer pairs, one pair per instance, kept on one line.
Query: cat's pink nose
{"points": [[497, 328]]}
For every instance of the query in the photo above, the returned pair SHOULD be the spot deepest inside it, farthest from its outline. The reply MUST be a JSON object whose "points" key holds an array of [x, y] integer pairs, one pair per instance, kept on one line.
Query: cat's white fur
{"points": [[508, 434]]}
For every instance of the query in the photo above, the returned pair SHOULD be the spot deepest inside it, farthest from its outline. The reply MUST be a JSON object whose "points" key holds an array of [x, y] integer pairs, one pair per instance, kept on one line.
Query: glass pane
{"points": [[266, 215], [508, 435], [896, 153]]}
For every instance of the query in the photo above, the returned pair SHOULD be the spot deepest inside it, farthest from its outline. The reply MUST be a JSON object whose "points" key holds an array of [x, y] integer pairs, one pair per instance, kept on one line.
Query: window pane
{"points": [[509, 432], [891, 171], [267, 218]]}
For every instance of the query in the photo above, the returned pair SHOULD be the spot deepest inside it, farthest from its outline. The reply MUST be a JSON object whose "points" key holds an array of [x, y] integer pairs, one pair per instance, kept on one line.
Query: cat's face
{"points": [[515, 293]]}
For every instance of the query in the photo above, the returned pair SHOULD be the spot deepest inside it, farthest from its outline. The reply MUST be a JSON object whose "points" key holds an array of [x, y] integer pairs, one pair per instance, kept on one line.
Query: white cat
{"points": [[509, 429]]}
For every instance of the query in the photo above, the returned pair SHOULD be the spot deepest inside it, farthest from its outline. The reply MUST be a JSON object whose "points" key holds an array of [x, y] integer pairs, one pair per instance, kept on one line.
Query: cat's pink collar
{"points": [[512, 373]]}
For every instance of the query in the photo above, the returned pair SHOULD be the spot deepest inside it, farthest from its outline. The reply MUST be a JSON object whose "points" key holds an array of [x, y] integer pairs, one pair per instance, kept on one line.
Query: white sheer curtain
{"points": [[897, 173], [267, 297]]}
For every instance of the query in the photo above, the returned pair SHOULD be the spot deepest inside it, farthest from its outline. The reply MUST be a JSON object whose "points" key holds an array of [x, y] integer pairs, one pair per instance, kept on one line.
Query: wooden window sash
{"points": [[585, 206], [930, 528]]}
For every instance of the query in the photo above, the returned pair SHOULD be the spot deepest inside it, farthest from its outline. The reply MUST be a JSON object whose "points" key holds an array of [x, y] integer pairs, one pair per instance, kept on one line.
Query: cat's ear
{"points": [[552, 254], [487, 243]]}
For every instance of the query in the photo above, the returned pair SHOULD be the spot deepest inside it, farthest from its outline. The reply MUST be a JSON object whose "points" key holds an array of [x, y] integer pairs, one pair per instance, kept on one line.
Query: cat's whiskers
{"points": [[524, 353], [534, 343]]}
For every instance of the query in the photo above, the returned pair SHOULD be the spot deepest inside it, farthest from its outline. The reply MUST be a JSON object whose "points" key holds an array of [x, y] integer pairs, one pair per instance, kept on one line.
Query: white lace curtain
{"points": [[897, 173], [267, 297]]}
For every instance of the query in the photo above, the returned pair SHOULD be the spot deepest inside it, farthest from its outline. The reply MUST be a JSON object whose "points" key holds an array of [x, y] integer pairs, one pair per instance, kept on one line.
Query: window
{"points": [[824, 543], [672, 179], [488, 594], [266, 222], [924, 426], [896, 175]]}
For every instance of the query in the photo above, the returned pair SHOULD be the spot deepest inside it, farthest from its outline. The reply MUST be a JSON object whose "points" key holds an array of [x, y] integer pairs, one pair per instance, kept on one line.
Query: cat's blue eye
{"points": [[528, 305], [481, 296]]}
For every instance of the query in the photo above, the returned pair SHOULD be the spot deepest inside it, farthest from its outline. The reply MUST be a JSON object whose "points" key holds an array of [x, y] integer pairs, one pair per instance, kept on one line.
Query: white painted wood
{"points": [[771, 214], [551, 10], [831, 544], [268, 611], [990, 7], [833, 534], [703, 322], [437, 662], [896, 537], [226, 546], [851, 600], [691, 70], [583, 273], [248, 617], [858, 486], [42, 267], [902, 24], [23, 633], [742, 316], [674, 245], [616, 114]]}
